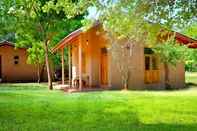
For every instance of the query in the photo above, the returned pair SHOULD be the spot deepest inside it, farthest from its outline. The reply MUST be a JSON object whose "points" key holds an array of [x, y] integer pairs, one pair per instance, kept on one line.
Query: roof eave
{"points": [[65, 42]]}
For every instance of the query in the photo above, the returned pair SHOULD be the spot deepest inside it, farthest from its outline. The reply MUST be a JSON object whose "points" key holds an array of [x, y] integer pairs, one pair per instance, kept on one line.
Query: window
{"points": [[104, 50], [152, 74], [147, 63], [151, 62], [154, 63], [16, 60]]}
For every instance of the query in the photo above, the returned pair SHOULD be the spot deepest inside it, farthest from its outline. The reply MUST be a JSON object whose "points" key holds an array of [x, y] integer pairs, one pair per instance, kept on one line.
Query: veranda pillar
{"points": [[63, 80], [70, 66]]}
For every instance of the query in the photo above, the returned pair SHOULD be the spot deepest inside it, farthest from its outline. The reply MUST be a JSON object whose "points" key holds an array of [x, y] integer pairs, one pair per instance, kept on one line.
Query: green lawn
{"points": [[31, 107]]}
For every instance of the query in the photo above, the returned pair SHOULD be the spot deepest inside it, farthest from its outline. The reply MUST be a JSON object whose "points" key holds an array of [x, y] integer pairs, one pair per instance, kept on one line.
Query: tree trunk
{"points": [[48, 65], [167, 84], [42, 72], [38, 72], [125, 79], [125, 86]]}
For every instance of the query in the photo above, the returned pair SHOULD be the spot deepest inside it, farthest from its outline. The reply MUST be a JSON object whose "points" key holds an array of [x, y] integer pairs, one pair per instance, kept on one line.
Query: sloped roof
{"points": [[67, 39], [3, 43], [7, 43], [184, 39]]}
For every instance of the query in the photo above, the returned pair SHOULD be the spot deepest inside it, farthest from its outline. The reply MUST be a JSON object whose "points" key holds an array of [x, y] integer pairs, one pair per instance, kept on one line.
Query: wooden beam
{"points": [[70, 66], [80, 61], [62, 52]]}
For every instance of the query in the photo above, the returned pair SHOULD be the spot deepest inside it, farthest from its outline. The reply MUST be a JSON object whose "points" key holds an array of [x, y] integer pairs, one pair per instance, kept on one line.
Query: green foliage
{"points": [[171, 52], [172, 14], [124, 19], [71, 8], [36, 54], [191, 60], [6, 21], [130, 18], [191, 31], [35, 26], [67, 27]]}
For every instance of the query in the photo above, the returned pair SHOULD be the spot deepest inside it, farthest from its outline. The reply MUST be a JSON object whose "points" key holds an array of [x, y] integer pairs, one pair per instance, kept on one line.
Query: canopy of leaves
{"points": [[171, 52], [36, 54], [191, 31], [34, 26], [172, 13], [6, 21], [191, 60]]}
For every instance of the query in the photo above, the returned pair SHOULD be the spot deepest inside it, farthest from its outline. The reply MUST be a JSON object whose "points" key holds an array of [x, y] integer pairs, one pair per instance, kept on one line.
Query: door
{"points": [[151, 69], [104, 67]]}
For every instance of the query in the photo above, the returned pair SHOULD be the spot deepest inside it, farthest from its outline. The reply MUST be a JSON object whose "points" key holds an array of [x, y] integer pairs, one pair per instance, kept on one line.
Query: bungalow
{"points": [[91, 63], [13, 66]]}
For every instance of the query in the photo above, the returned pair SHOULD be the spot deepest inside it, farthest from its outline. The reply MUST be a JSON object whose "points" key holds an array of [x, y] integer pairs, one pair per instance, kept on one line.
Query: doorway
{"points": [[104, 67]]}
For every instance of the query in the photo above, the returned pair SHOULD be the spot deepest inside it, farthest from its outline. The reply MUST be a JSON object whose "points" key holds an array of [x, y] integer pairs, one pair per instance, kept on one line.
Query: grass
{"points": [[31, 107]]}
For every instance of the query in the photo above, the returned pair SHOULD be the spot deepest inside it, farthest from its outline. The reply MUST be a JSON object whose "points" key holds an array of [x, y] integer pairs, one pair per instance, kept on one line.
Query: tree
{"points": [[34, 47], [68, 26], [126, 25], [191, 31], [70, 9], [137, 20], [171, 53], [30, 25], [122, 52], [35, 25], [36, 56], [6, 32], [191, 60], [8, 23]]}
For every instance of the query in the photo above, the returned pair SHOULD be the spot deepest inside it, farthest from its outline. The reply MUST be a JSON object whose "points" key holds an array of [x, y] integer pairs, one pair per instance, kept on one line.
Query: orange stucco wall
{"points": [[177, 75], [92, 42], [11, 72]]}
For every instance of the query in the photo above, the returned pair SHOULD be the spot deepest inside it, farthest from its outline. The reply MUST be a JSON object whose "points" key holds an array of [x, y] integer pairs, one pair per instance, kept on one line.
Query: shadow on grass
{"points": [[22, 86], [120, 117], [166, 127], [189, 84]]}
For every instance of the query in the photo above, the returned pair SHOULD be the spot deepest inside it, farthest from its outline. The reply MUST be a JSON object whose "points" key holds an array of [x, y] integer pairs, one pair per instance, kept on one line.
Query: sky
{"points": [[93, 14]]}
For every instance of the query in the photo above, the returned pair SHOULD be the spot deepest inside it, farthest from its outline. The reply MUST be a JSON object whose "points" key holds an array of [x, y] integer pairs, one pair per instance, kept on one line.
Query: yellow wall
{"points": [[16, 73], [94, 39]]}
